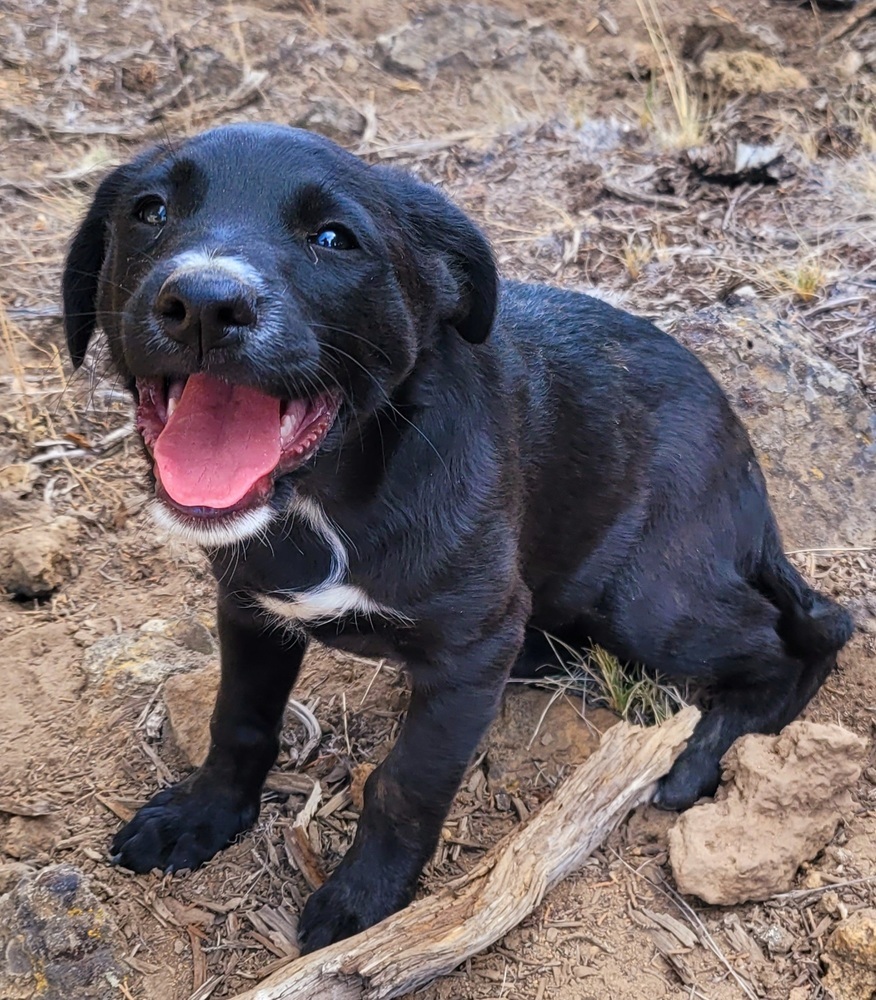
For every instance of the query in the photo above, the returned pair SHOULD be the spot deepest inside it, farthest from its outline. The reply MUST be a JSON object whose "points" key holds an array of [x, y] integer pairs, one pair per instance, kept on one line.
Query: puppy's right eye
{"points": [[151, 211], [334, 237]]}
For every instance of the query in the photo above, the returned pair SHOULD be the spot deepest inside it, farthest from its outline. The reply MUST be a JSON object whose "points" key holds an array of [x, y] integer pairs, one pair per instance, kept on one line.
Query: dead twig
{"points": [[311, 725], [851, 22], [646, 197]]}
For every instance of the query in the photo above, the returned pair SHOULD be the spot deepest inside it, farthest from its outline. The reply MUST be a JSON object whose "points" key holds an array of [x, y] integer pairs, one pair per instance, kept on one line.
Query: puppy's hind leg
{"points": [[753, 682], [538, 657], [811, 625]]}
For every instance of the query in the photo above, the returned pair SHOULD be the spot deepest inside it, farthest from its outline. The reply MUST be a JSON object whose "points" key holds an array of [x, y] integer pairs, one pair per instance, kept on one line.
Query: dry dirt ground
{"points": [[552, 122]]}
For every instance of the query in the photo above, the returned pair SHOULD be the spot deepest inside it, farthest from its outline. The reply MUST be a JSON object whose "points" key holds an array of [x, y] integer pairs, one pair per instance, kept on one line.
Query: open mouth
{"points": [[219, 447]]}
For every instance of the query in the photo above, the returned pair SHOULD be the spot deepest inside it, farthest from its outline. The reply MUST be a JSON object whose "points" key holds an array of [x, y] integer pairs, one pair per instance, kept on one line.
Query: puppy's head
{"points": [[264, 293]]}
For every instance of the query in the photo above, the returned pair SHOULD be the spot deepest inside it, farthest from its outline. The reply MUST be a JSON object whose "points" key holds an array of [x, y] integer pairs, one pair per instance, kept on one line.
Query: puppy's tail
{"points": [[811, 625]]}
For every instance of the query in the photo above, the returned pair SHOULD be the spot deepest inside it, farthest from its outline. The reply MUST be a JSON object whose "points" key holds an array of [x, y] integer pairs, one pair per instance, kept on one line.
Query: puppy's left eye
{"points": [[334, 237], [152, 211]]}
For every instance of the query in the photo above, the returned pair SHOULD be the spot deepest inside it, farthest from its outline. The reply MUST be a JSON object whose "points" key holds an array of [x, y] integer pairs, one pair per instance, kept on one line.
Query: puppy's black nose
{"points": [[204, 311]]}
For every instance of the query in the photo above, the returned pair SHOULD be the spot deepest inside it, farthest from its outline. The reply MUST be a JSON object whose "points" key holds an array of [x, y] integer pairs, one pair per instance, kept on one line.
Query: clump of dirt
{"points": [[851, 957], [57, 939], [781, 802], [188, 698], [35, 549], [748, 72]]}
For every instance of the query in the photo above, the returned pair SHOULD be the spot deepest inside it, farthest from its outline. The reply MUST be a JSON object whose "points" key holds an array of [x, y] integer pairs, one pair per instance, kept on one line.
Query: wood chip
{"points": [[340, 800], [667, 945], [308, 810], [188, 915], [199, 961], [115, 807], [301, 855], [289, 784], [277, 921], [33, 809], [686, 937], [852, 21]]}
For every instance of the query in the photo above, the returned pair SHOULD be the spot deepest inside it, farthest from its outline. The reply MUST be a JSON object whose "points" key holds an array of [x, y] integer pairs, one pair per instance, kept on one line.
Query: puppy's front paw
{"points": [[182, 827], [347, 904]]}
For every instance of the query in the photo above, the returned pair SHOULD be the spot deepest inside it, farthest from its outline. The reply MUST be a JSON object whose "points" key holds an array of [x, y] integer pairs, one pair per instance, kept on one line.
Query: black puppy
{"points": [[383, 447]]}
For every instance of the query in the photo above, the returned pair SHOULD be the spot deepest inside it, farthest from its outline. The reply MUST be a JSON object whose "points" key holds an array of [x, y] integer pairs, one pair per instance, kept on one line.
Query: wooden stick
{"points": [[434, 935], [852, 21]]}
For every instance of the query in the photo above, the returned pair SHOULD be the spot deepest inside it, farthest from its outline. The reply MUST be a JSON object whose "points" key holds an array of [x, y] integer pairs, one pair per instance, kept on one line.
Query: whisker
{"points": [[389, 402]]}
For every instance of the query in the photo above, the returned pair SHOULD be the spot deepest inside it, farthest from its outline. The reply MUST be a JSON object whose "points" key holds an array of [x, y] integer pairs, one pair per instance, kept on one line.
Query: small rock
{"points": [[189, 699], [27, 837], [148, 655], [57, 941], [141, 76], [860, 850], [333, 118], [16, 478], [644, 61], [777, 940], [833, 905], [709, 32], [851, 957], [780, 803], [850, 65], [210, 71], [813, 879], [748, 72], [647, 829], [11, 874], [35, 548], [468, 36]]}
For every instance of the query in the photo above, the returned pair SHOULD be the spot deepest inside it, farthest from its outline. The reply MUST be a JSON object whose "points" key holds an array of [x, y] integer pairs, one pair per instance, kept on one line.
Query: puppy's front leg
{"points": [[408, 797], [186, 824]]}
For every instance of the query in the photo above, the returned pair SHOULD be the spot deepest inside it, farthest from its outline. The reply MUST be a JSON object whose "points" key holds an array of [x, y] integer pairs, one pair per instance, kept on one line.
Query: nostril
{"points": [[237, 312], [173, 308]]}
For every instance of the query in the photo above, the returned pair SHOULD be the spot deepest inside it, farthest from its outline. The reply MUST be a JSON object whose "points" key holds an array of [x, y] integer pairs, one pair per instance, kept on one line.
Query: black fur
{"points": [[576, 471]]}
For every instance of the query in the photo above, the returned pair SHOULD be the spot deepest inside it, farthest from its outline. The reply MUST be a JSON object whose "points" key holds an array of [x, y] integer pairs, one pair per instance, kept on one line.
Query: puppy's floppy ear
{"points": [[466, 270], [83, 265]]}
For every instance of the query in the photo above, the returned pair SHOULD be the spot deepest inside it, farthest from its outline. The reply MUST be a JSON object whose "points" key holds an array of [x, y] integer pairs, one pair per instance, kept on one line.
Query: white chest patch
{"points": [[324, 603], [332, 598]]}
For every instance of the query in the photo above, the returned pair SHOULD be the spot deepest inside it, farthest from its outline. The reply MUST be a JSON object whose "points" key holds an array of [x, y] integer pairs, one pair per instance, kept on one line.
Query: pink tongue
{"points": [[220, 440]]}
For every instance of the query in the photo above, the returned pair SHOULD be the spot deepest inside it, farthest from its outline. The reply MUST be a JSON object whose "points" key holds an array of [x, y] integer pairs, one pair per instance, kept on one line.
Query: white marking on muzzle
{"points": [[231, 530], [205, 260]]}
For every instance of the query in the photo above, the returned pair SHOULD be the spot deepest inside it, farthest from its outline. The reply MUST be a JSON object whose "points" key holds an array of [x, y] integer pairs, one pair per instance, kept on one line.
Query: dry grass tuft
{"points": [[681, 122], [802, 277], [637, 253], [625, 688], [805, 280]]}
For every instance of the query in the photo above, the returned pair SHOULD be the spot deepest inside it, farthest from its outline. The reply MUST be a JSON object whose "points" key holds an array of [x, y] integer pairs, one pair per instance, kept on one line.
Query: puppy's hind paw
{"points": [[181, 827], [692, 777]]}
